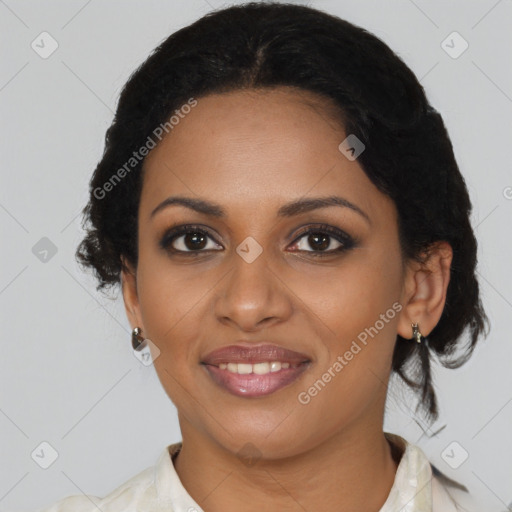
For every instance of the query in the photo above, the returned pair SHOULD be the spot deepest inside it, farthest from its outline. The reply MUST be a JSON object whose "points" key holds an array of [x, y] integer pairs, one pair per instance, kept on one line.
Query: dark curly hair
{"points": [[408, 155]]}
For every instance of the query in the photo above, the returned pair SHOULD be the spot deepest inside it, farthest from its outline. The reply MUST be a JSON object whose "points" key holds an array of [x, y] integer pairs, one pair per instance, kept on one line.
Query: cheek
{"points": [[361, 314], [350, 298], [171, 312], [170, 309], [354, 376], [175, 302], [168, 304], [168, 294]]}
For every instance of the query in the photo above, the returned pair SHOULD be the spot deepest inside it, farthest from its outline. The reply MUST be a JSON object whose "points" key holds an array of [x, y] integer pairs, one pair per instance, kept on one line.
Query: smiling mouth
{"points": [[255, 379], [260, 368]]}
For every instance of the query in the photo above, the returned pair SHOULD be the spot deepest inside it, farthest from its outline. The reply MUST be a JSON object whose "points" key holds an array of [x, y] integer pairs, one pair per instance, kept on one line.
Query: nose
{"points": [[253, 295]]}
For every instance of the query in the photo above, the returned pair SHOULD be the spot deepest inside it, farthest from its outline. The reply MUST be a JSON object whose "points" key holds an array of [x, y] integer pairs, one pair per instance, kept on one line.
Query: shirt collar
{"points": [[412, 488], [171, 494]]}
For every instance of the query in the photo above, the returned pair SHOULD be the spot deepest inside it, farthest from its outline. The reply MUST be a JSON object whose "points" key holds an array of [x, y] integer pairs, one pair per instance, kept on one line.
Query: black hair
{"points": [[408, 154]]}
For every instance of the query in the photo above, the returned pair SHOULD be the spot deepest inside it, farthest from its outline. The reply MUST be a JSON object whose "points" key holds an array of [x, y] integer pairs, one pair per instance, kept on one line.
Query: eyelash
{"points": [[346, 240]]}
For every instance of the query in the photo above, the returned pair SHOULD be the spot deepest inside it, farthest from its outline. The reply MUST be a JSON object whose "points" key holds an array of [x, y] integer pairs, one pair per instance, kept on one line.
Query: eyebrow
{"points": [[288, 210]]}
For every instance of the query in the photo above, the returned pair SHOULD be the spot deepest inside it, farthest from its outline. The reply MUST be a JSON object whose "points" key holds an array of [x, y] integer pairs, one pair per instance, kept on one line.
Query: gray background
{"points": [[68, 374]]}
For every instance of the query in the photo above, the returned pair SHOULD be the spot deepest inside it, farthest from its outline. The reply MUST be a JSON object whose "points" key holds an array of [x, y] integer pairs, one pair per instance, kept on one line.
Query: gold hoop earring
{"points": [[416, 332]]}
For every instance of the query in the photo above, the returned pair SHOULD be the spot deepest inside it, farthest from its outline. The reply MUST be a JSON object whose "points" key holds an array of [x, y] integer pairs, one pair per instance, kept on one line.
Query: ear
{"points": [[424, 290], [130, 295]]}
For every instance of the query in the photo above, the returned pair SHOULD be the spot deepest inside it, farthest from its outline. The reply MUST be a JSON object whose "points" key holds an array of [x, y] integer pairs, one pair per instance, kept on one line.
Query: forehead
{"points": [[253, 148]]}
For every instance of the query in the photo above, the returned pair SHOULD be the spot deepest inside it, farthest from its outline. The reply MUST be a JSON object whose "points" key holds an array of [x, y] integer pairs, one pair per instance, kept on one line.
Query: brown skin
{"points": [[251, 152]]}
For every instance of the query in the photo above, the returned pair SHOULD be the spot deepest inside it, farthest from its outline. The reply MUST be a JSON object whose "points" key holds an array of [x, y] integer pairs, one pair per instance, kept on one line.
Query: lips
{"points": [[252, 385], [246, 352]]}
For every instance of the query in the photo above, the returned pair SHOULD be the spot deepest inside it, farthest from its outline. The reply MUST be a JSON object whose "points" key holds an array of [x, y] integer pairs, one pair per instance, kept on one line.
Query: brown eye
{"points": [[324, 239], [319, 241], [188, 239]]}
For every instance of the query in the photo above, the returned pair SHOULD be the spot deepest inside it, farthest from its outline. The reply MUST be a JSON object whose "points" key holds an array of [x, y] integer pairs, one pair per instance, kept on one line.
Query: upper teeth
{"points": [[257, 368]]}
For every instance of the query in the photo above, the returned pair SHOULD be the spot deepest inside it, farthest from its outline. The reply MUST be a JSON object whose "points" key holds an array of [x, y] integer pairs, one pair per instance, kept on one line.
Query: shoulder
{"points": [[137, 493], [426, 484]]}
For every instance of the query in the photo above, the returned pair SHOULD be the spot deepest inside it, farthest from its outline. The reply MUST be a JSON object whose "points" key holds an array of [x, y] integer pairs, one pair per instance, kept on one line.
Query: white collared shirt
{"points": [[159, 489]]}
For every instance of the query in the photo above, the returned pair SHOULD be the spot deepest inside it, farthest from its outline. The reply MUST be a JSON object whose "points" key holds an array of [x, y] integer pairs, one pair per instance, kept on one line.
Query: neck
{"points": [[353, 470]]}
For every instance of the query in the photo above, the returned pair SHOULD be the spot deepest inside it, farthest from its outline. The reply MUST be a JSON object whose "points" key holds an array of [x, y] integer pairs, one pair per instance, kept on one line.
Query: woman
{"points": [[283, 210]]}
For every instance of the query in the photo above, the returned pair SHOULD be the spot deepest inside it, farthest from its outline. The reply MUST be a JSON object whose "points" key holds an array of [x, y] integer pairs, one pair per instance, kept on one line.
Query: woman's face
{"points": [[252, 274]]}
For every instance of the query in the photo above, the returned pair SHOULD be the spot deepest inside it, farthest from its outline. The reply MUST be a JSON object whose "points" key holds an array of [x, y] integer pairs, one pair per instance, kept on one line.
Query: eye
{"points": [[192, 240], [325, 240], [187, 239]]}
